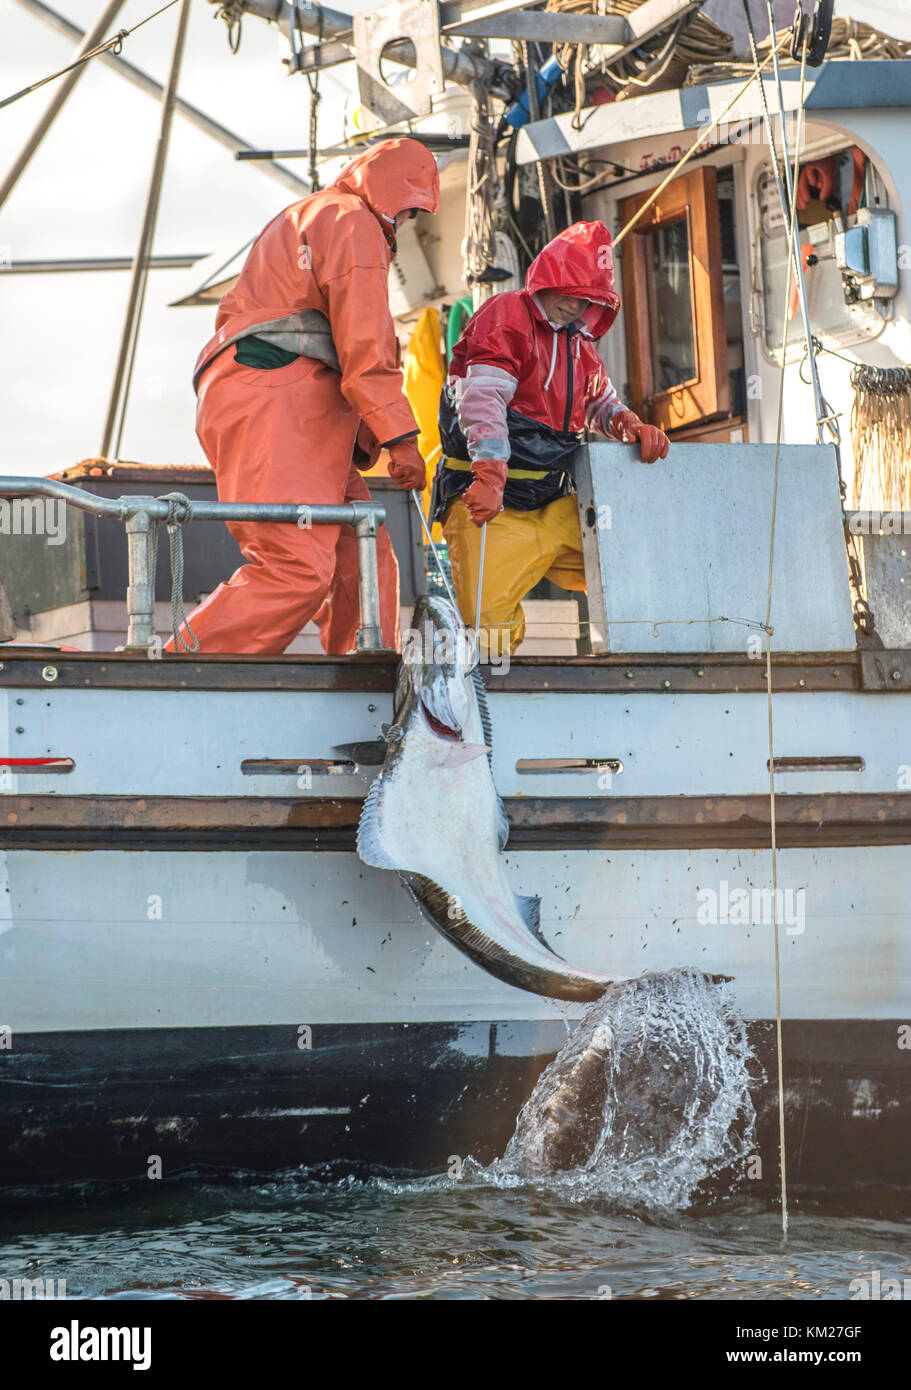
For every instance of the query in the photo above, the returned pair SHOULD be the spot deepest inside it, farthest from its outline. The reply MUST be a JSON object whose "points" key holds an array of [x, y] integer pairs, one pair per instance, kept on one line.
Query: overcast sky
{"points": [[83, 194]]}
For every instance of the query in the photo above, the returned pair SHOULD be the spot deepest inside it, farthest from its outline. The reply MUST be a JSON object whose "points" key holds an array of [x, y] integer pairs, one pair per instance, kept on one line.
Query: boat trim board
{"points": [[233, 823], [708, 672]]}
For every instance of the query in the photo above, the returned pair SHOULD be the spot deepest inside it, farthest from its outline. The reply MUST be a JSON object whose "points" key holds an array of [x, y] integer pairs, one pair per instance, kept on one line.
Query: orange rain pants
{"points": [[284, 435]]}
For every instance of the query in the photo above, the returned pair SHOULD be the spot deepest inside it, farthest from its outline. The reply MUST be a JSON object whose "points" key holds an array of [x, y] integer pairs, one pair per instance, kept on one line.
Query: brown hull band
{"points": [[650, 822], [688, 673]]}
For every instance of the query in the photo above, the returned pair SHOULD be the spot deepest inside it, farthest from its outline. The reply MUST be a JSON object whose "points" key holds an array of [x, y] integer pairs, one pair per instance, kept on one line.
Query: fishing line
{"points": [[477, 606], [436, 555], [768, 645]]}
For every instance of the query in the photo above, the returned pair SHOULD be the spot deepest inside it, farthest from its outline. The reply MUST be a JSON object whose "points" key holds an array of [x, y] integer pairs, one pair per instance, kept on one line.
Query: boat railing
{"points": [[143, 515]]}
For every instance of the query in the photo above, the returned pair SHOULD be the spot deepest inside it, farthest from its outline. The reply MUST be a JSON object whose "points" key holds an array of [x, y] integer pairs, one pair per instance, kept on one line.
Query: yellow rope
{"points": [[768, 647], [694, 148]]}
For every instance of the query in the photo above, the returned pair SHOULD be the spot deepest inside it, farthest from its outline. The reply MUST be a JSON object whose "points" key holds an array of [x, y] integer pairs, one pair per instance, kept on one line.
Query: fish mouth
{"points": [[452, 733]]}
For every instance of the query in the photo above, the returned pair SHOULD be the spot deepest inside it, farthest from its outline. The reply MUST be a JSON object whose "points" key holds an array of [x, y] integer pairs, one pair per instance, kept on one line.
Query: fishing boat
{"points": [[708, 764]]}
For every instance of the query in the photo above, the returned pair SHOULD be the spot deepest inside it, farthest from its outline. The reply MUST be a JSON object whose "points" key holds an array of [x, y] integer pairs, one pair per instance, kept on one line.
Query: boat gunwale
{"points": [[372, 673]]}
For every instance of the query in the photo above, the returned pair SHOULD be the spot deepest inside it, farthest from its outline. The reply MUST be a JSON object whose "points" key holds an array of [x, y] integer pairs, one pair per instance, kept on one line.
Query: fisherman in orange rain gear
{"points": [[524, 381], [298, 390]]}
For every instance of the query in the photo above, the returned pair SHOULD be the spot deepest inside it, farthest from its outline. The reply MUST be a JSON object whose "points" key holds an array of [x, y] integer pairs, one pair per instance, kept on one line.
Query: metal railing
{"points": [[142, 515]]}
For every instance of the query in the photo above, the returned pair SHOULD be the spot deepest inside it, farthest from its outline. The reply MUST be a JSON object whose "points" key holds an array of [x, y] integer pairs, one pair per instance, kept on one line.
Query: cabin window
{"points": [[670, 292], [675, 316], [832, 190]]}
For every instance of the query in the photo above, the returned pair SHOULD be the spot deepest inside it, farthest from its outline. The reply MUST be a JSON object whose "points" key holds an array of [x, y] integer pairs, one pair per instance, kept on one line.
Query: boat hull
{"points": [[196, 971], [130, 1104]]}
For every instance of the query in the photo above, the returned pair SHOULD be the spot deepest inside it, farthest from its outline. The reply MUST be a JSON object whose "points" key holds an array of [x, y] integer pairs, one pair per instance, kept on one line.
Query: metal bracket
{"points": [[887, 670], [415, 21]]}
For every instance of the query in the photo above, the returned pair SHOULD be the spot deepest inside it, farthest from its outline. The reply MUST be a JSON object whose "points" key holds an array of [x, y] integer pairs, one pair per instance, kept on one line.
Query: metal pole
{"points": [[140, 263], [370, 632], [141, 535], [62, 91], [319, 20], [67, 267], [798, 261], [120, 508], [147, 84]]}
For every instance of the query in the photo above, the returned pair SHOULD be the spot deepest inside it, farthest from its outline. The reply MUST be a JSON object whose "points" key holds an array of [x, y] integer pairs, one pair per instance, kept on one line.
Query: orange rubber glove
{"points": [[653, 443], [406, 465], [485, 496]]}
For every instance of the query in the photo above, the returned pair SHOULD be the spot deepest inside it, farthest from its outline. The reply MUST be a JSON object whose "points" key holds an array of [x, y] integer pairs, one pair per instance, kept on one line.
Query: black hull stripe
{"points": [[84, 1105]]}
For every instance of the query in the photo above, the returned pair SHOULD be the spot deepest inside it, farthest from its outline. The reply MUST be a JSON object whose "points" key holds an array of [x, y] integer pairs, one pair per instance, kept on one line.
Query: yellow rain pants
{"points": [[522, 548]]}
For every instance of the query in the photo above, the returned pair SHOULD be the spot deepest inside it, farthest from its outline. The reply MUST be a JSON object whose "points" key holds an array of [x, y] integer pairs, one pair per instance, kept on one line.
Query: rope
{"points": [[768, 653], [693, 149], [850, 38], [315, 99], [531, 83], [180, 512], [881, 433], [484, 192], [114, 44]]}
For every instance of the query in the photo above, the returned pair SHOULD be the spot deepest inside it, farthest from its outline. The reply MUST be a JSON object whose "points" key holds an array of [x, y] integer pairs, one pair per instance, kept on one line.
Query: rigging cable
{"points": [[113, 45]]}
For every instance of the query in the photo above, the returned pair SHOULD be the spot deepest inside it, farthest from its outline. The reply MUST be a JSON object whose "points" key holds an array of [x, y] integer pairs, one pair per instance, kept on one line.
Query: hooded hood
{"points": [[393, 176], [580, 262]]}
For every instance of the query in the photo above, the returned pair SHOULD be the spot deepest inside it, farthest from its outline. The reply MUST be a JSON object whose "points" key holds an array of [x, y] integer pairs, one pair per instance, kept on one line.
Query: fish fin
{"points": [[370, 847], [370, 753], [530, 912], [480, 691], [502, 823]]}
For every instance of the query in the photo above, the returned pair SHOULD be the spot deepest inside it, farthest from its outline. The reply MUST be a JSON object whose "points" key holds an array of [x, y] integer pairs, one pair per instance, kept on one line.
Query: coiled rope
{"points": [[881, 433]]}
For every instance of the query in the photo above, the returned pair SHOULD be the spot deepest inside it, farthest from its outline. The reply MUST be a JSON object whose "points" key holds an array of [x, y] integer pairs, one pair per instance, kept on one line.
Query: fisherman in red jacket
{"points": [[524, 381]]}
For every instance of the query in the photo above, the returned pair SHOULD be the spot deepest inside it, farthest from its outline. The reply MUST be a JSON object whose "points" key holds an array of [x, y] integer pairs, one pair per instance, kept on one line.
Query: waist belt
{"points": [[464, 466], [304, 334]]}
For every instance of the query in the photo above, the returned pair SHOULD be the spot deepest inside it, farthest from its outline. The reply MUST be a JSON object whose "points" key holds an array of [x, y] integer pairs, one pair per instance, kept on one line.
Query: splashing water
{"points": [[648, 1099]]}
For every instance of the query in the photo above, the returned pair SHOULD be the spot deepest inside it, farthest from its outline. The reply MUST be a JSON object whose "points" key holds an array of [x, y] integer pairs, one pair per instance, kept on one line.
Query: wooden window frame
{"points": [[695, 195]]}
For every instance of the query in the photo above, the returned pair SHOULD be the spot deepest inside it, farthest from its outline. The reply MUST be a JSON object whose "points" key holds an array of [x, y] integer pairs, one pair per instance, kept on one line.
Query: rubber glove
{"points": [[485, 496], [406, 466], [653, 443]]}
